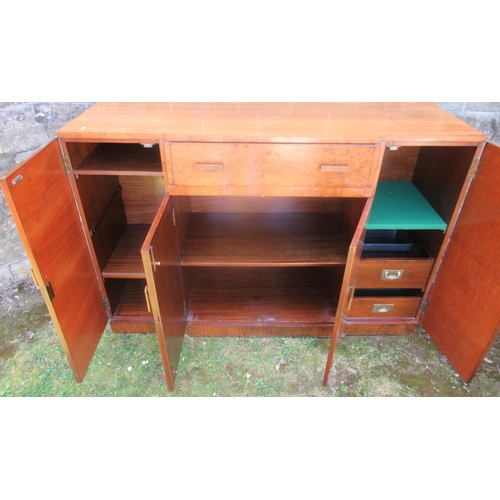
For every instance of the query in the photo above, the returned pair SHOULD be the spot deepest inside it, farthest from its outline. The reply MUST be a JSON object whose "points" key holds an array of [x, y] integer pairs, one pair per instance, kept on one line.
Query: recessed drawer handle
{"points": [[340, 169], [208, 167], [382, 308], [392, 274]]}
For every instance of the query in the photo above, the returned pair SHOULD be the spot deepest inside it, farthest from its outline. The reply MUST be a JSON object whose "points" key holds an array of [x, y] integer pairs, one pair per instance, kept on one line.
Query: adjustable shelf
{"points": [[252, 239], [122, 159], [400, 205], [126, 261]]}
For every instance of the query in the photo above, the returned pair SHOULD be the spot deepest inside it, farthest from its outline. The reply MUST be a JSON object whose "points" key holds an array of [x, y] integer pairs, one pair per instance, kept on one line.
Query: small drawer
{"points": [[381, 306], [274, 165], [393, 273]]}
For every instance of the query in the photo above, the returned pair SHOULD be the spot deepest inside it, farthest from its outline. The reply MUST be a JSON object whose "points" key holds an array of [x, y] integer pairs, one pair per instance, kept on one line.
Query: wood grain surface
{"points": [[264, 240], [344, 122], [463, 316], [44, 209]]}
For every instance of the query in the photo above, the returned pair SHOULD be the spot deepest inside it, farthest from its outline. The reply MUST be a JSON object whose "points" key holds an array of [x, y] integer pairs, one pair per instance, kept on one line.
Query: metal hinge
{"points": [[152, 259], [67, 164], [423, 305], [173, 215], [106, 306], [50, 291], [474, 169]]}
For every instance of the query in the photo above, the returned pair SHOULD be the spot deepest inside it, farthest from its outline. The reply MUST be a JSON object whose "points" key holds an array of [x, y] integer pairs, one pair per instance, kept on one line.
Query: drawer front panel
{"points": [[393, 273], [273, 165], [382, 307]]}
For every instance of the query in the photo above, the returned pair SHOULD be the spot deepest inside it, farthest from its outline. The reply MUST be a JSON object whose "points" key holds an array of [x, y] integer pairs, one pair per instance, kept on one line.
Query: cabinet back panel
{"points": [[398, 165], [142, 197], [252, 204]]}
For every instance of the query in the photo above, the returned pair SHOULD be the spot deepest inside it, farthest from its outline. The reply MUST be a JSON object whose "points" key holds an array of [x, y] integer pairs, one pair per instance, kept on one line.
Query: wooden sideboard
{"points": [[264, 219]]}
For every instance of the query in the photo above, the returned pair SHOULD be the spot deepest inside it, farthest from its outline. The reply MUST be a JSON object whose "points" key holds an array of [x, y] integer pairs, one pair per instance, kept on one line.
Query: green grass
{"points": [[32, 363]]}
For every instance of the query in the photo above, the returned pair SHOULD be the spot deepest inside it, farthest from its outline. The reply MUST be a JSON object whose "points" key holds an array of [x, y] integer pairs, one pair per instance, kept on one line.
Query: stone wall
{"points": [[485, 116], [26, 126]]}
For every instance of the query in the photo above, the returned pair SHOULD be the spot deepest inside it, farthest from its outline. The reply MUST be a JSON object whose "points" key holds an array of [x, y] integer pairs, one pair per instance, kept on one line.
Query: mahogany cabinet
{"points": [[264, 219]]}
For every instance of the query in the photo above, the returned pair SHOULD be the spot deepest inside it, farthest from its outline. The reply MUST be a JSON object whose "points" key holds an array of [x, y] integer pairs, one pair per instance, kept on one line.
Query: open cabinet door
{"points": [[41, 200], [161, 259], [348, 288], [463, 314]]}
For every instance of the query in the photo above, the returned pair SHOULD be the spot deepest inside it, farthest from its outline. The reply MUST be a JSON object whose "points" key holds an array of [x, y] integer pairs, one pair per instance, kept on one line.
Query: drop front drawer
{"points": [[274, 165], [393, 273]]}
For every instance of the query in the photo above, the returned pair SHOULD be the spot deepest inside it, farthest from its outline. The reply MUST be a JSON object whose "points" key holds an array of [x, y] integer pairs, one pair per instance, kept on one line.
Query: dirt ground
{"points": [[364, 365]]}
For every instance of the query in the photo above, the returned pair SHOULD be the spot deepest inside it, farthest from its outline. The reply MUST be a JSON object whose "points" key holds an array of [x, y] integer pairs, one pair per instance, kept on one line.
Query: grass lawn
{"points": [[32, 363]]}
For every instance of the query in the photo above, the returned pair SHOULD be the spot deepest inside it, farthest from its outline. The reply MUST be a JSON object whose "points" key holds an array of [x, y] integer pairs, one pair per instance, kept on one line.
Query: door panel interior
{"points": [[40, 197], [463, 315]]}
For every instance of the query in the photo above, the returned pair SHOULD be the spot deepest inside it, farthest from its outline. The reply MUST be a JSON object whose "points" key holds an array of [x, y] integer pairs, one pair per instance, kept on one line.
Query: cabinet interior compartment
{"points": [[392, 243], [128, 304], [115, 159], [238, 299], [430, 179], [265, 265], [118, 211]]}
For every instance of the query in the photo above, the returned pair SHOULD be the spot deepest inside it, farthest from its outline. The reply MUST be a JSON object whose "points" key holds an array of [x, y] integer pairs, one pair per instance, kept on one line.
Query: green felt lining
{"points": [[400, 205]]}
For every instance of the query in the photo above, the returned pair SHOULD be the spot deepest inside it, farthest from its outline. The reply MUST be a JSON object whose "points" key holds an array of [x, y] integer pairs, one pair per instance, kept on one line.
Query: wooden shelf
{"points": [[400, 205], [121, 159], [131, 314], [126, 261], [219, 239], [266, 297]]}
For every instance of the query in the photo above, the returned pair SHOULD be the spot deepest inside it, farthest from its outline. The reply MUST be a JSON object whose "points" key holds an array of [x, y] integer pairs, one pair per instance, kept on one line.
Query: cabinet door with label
{"points": [[463, 315], [40, 197]]}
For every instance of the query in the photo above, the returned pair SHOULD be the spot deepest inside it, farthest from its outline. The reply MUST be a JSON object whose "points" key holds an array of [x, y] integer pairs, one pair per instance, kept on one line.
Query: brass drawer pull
{"points": [[340, 169], [392, 274], [382, 308], [208, 167]]}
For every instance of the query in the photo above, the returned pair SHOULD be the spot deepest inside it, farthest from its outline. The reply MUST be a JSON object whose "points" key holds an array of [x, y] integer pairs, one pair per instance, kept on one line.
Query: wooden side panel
{"points": [[440, 174], [41, 200], [463, 315], [161, 254]]}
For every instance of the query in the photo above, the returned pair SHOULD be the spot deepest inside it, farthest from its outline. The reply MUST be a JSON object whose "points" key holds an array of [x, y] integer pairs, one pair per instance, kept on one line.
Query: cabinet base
{"points": [[403, 327], [258, 331], [128, 326]]}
